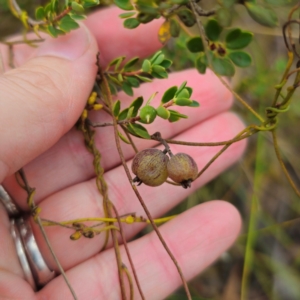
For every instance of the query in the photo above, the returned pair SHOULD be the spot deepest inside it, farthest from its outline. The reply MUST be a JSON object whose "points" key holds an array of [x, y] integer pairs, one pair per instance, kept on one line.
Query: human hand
{"points": [[40, 102]]}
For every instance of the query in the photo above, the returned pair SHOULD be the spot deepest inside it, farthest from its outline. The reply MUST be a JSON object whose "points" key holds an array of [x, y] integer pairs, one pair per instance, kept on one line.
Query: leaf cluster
{"points": [[223, 55], [124, 76], [136, 112], [57, 19]]}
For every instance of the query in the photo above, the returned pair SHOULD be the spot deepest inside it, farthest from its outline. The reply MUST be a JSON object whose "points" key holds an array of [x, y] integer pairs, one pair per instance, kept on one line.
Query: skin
{"points": [[40, 102]]}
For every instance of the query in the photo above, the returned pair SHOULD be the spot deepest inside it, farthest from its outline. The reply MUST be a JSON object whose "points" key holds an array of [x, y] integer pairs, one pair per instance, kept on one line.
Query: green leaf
{"points": [[116, 61], [90, 3], [127, 89], [159, 72], [131, 63], [238, 39], [262, 15], [131, 23], [169, 94], [138, 130], [228, 3], [187, 17], [157, 54], [47, 9], [143, 78], [113, 79], [201, 63], [240, 58], [195, 45], [130, 112], [183, 101], [127, 15], [120, 77], [174, 28], [182, 86], [190, 90], [183, 93], [116, 108], [223, 66], [146, 66], [77, 17], [148, 114], [112, 88], [176, 116], [67, 24], [132, 81], [123, 138], [52, 31], [145, 18], [213, 30], [173, 118], [124, 4], [279, 2], [54, 5], [158, 60], [136, 104], [166, 63], [77, 7], [194, 104], [163, 112], [40, 13], [224, 16], [123, 114]]}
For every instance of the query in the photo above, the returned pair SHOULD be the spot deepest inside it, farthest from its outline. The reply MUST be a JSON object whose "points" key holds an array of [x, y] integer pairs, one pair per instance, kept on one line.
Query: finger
{"points": [[83, 200], [196, 238], [69, 162], [42, 100], [112, 42]]}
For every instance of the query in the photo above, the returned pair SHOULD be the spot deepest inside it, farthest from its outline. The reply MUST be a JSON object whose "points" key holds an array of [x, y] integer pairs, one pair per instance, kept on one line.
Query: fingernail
{"points": [[70, 46]]}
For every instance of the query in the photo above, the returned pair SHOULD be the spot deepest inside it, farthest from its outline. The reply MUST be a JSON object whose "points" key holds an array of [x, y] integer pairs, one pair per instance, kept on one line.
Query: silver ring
{"points": [[39, 269], [8, 203], [21, 254], [35, 269]]}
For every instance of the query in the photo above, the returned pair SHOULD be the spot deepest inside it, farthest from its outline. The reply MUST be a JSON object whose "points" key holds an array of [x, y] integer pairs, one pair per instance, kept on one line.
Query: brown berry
{"points": [[182, 169], [150, 167]]}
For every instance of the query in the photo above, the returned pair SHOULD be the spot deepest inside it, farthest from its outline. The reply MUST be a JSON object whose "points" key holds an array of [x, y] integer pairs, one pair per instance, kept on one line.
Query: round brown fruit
{"points": [[150, 167], [182, 169]]}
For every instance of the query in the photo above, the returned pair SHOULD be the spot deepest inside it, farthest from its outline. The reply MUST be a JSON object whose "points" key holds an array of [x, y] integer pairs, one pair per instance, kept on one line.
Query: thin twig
{"points": [[106, 86], [33, 208]]}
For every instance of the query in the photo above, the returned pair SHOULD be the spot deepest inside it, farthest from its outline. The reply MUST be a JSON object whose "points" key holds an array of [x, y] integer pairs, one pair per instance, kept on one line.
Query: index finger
{"points": [[112, 38]]}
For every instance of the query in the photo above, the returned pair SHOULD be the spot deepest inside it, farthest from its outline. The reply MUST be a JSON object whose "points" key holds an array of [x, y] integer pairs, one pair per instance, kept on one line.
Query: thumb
{"points": [[42, 99]]}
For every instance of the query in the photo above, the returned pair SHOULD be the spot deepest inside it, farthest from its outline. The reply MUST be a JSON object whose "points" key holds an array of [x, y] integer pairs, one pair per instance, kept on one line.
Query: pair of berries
{"points": [[153, 166]]}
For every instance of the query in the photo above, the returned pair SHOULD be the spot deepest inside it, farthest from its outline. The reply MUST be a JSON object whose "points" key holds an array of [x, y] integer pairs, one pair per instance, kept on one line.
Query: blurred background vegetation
{"points": [[274, 257]]}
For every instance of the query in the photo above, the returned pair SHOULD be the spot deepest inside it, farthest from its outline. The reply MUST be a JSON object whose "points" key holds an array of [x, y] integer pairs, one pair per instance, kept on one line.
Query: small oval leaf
{"points": [[238, 39], [138, 130], [223, 66], [163, 112], [146, 67], [116, 108], [131, 23], [124, 4], [262, 15], [169, 94], [240, 58], [195, 45], [213, 30]]}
